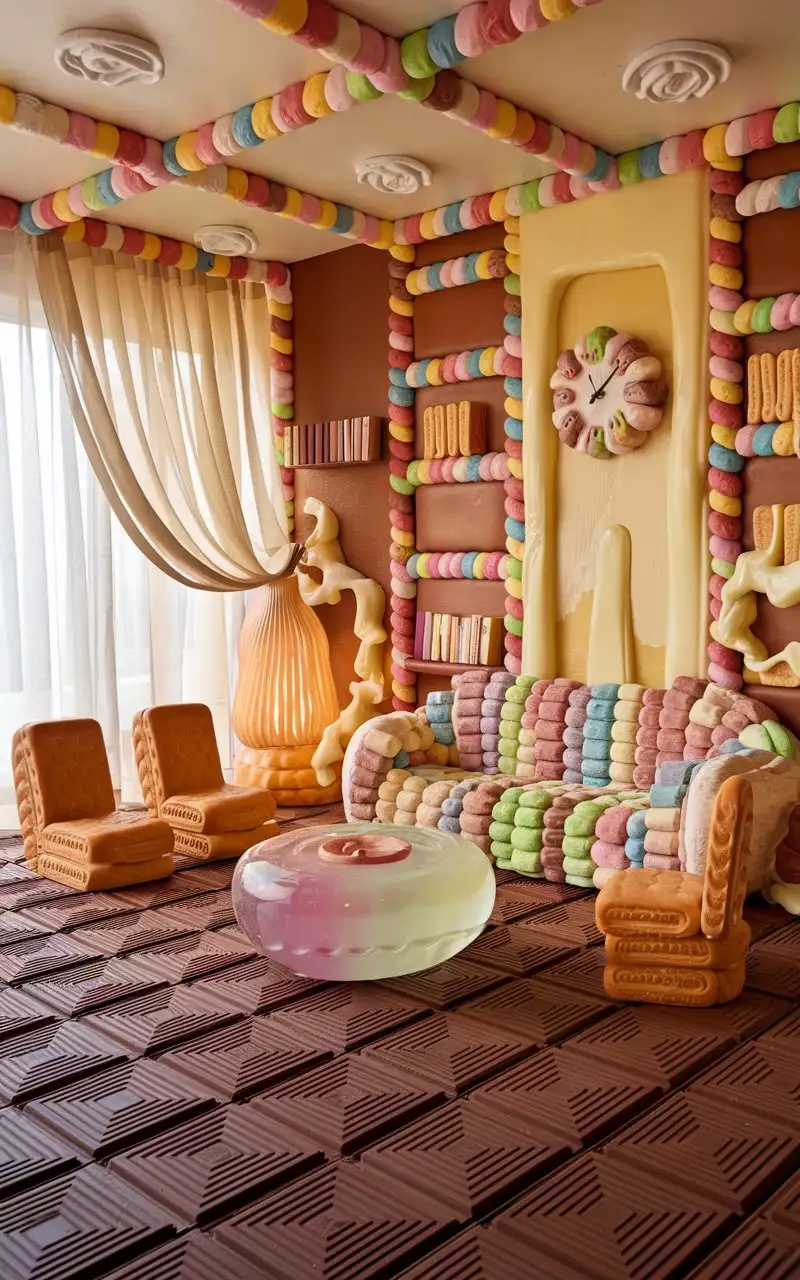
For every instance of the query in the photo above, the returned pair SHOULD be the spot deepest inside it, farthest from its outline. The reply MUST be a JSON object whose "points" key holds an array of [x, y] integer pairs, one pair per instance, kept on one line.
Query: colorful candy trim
{"points": [[401, 499], [473, 268], [726, 370], [514, 483], [764, 315], [281, 372], [483, 362], [141, 164], [468, 470], [767, 194], [489, 566]]}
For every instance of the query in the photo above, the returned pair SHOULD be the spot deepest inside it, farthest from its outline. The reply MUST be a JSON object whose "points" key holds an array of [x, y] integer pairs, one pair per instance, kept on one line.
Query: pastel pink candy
{"points": [[82, 132], [392, 75], [449, 364], [744, 441], [370, 53], [724, 299], [605, 854], [573, 737], [615, 345], [730, 370], [613, 825], [76, 201], [794, 314], [644, 417], [400, 572], [401, 342], [204, 146], [448, 469], [526, 15], [571, 154], [759, 129], [487, 110], [337, 94], [668, 156], [721, 733], [572, 758], [454, 273], [513, 345], [468, 33], [721, 675], [781, 313], [461, 370], [725, 549], [575, 717], [547, 195], [468, 216], [737, 137]]}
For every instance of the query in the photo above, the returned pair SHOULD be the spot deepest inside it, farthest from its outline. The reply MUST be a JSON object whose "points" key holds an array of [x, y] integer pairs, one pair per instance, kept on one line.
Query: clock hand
{"points": [[591, 383], [598, 393]]}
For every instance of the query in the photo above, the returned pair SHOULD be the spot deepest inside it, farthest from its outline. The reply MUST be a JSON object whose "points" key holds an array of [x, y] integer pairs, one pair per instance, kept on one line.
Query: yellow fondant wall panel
{"points": [[635, 524]]}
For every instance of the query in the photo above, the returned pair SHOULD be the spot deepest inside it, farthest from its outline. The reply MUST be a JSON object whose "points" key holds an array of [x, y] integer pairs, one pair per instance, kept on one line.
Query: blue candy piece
{"points": [[170, 160], [732, 747], [344, 220], [474, 469], [452, 217], [242, 128], [599, 730], [600, 168], [442, 47], [634, 850], [725, 459], [205, 261], [513, 325], [596, 779], [471, 269], [673, 773], [452, 806], [762, 440], [513, 388], [27, 223], [403, 397], [637, 824], [468, 563], [104, 188], [598, 710], [666, 797], [474, 363], [444, 734], [439, 715], [605, 692], [441, 698], [513, 428], [398, 378], [649, 166], [515, 529], [450, 824], [789, 191], [594, 750], [401, 760]]}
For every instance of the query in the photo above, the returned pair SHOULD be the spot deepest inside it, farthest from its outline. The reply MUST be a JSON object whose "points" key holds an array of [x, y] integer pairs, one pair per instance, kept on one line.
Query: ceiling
{"points": [[217, 60]]}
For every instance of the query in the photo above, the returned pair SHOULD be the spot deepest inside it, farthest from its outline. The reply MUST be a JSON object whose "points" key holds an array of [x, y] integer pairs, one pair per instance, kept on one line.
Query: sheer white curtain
{"points": [[88, 627]]}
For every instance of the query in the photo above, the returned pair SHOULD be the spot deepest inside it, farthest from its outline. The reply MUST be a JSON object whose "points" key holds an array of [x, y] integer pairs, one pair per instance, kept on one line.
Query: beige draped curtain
{"points": [[167, 378]]}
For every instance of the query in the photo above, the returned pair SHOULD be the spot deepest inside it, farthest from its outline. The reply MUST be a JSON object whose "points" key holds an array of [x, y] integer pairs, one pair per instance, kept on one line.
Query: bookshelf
{"points": [[446, 668], [343, 442]]}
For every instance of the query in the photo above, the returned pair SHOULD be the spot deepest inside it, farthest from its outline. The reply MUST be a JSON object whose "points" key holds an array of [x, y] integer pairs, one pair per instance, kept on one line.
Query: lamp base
{"points": [[287, 773]]}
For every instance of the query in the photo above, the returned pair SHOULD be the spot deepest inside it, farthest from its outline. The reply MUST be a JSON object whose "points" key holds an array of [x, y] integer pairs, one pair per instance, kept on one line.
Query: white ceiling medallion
{"points": [[394, 175], [677, 71], [234, 242], [108, 57]]}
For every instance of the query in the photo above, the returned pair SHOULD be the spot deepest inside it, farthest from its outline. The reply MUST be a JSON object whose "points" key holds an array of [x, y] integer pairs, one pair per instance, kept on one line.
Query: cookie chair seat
{"points": [[182, 782], [72, 830], [674, 937]]}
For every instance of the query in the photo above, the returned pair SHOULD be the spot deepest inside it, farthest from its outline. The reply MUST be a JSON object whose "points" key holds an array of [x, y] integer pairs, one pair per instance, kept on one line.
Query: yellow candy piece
{"points": [[514, 588], [386, 238], [434, 374], [783, 440], [512, 245], [726, 436], [513, 408], [294, 203], [150, 249], [727, 392], [479, 565], [555, 10], [262, 121], [725, 277], [61, 207], [75, 232], [236, 186], [497, 204], [515, 548], [314, 100], [515, 468], [8, 105], [724, 229], [287, 18], [511, 226], [724, 504], [403, 252], [397, 432], [106, 141], [514, 263], [486, 362], [188, 259], [284, 345], [503, 125], [402, 537], [427, 225], [715, 153], [401, 307], [743, 317], [282, 310]]}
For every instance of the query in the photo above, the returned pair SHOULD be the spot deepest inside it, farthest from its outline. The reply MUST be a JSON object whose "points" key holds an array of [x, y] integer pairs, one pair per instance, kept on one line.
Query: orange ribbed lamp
{"points": [[285, 696]]}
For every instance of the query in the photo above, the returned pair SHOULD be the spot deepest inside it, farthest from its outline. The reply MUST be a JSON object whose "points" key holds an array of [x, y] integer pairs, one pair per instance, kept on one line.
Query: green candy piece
{"points": [[579, 867], [416, 60], [513, 795], [501, 831], [780, 738], [533, 818], [786, 125], [580, 882], [529, 196], [581, 826], [755, 735], [418, 90], [723, 568], [412, 473], [512, 625], [507, 766], [628, 168], [402, 486], [503, 812], [760, 320], [360, 88], [500, 850], [526, 863], [527, 840], [536, 799], [509, 730], [577, 846], [597, 340], [508, 749], [514, 568], [515, 696], [503, 863], [512, 710], [512, 284]]}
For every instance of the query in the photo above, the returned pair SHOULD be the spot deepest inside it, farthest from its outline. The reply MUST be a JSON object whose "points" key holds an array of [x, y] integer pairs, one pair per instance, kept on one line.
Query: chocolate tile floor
{"points": [[174, 1107]]}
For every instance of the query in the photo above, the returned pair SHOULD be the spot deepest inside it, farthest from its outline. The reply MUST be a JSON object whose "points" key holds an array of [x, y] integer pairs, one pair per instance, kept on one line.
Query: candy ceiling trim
{"points": [[152, 248], [392, 65], [143, 163], [764, 195], [725, 410]]}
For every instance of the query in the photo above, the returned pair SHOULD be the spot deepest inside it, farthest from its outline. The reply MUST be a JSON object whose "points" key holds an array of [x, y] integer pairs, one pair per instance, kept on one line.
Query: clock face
{"points": [[608, 393]]}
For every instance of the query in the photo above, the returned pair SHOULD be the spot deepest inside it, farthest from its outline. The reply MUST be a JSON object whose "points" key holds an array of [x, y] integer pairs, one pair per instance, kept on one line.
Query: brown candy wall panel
{"points": [[771, 244], [461, 517], [457, 246], [461, 597], [460, 319]]}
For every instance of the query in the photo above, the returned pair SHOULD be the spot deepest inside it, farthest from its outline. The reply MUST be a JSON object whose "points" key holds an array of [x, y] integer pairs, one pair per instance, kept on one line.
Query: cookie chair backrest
{"points": [[182, 749], [69, 770], [725, 879]]}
